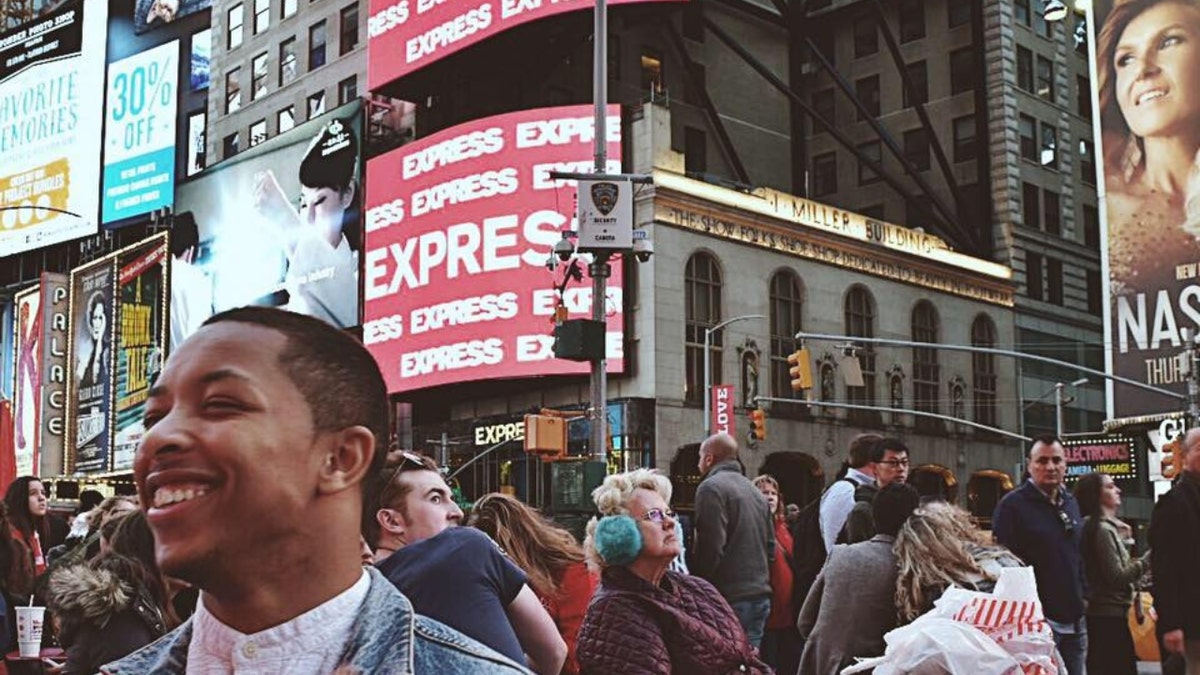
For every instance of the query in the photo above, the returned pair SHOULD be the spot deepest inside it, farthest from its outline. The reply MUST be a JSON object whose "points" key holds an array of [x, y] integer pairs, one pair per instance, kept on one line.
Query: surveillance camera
{"points": [[643, 249], [564, 249], [551, 262]]}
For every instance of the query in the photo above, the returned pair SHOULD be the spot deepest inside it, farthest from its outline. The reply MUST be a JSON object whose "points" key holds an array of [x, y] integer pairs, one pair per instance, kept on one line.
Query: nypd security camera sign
{"points": [[605, 216]]}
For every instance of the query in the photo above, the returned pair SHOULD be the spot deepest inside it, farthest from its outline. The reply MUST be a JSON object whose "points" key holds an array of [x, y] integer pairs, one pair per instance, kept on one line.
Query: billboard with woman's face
{"points": [[91, 358], [1146, 73]]}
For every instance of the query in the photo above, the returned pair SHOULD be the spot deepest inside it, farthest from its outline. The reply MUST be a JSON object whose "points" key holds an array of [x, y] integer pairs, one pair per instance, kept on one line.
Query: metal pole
{"points": [[707, 380], [922, 413], [1002, 352], [708, 362], [600, 268], [1058, 409]]}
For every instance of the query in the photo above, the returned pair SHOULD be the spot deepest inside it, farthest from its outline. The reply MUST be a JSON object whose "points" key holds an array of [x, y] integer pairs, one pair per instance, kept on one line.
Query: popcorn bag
{"points": [[970, 633], [1012, 616]]}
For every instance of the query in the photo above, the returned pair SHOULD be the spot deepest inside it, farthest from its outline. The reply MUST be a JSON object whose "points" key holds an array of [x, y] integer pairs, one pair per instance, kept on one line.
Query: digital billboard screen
{"points": [[139, 133], [405, 35], [51, 83], [459, 228], [277, 225], [150, 14]]}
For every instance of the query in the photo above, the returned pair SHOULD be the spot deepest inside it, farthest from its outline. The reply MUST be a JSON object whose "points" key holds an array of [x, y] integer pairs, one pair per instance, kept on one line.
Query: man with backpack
{"points": [[889, 458], [819, 522]]}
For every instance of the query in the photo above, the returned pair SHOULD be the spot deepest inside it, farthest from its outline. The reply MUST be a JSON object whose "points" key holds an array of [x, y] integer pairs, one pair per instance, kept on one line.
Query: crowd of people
{"points": [[273, 532]]}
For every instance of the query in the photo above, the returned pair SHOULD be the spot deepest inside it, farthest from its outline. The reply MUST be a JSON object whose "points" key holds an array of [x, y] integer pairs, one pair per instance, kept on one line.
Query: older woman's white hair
{"points": [[612, 499]]}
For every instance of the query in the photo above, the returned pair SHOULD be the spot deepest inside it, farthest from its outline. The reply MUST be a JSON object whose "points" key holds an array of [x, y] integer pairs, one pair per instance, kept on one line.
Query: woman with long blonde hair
{"points": [[939, 546], [550, 556]]}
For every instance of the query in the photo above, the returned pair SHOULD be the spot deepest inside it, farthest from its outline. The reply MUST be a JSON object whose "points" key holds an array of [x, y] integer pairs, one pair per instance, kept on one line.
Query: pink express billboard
{"points": [[405, 35], [459, 227]]}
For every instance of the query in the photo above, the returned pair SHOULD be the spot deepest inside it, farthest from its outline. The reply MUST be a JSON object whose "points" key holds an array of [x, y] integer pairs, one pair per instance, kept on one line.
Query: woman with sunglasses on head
{"points": [[645, 618], [1111, 575], [549, 555]]}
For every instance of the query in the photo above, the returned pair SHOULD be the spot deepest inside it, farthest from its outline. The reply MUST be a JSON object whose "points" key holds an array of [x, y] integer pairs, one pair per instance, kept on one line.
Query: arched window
{"points": [[786, 301], [983, 371], [925, 370], [860, 322], [702, 307]]}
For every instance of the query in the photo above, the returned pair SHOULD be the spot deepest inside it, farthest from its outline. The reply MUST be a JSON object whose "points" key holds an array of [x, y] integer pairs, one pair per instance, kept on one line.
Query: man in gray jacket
{"points": [[734, 540]]}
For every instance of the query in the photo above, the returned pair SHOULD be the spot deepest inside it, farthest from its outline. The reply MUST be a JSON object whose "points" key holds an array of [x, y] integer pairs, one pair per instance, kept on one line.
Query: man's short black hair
{"points": [[334, 372], [89, 499], [1044, 439], [892, 506], [879, 450]]}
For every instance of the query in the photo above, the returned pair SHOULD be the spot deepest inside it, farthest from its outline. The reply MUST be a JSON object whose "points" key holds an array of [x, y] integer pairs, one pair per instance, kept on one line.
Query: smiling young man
{"points": [[456, 575], [260, 432], [1041, 523]]}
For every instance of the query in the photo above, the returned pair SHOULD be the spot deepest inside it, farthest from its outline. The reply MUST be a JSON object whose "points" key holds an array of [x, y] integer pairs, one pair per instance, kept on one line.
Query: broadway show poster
{"points": [[278, 225], [92, 289], [139, 133], [1148, 131], [141, 311], [56, 309], [51, 85], [27, 395], [150, 14]]}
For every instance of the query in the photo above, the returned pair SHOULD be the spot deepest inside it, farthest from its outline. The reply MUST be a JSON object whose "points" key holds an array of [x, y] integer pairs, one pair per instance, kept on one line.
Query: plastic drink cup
{"points": [[29, 631]]}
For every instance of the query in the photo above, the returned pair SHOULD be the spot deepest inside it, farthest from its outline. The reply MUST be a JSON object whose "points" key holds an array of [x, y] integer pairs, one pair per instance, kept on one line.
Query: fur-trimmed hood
{"points": [[81, 593]]}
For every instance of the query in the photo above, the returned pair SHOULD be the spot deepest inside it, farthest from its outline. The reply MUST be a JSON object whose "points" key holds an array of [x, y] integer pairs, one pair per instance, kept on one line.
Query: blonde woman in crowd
{"points": [[938, 547], [550, 556], [781, 643], [644, 618]]}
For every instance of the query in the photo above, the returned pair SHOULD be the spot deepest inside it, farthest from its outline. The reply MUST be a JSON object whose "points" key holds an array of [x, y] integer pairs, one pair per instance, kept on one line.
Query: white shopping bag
{"points": [[939, 646]]}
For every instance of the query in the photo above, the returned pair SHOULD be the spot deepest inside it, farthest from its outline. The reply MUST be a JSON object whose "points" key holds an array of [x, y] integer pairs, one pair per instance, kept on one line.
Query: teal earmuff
{"points": [[618, 540]]}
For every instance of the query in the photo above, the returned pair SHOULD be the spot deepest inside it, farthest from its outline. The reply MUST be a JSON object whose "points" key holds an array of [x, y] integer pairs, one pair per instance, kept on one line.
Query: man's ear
{"points": [[347, 459], [390, 521]]}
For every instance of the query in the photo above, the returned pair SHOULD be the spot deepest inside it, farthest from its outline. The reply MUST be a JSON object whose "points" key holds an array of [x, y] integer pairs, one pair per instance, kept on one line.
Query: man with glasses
{"points": [[260, 433], [456, 575], [1040, 522], [735, 537], [890, 458]]}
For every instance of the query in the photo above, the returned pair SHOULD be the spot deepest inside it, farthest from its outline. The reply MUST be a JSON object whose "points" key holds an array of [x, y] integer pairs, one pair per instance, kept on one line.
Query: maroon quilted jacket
{"points": [[681, 626]]}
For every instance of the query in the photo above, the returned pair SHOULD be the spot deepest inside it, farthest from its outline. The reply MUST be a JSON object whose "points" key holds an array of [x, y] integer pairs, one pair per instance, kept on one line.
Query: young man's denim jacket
{"points": [[387, 638]]}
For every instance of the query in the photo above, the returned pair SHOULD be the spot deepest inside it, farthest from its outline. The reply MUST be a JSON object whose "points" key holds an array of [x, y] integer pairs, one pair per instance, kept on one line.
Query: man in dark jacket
{"points": [[734, 539], [1175, 559], [1040, 522]]}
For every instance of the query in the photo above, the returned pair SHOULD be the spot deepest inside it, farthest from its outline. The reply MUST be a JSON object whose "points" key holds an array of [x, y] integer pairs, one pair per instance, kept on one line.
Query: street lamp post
{"points": [[708, 361], [1059, 401]]}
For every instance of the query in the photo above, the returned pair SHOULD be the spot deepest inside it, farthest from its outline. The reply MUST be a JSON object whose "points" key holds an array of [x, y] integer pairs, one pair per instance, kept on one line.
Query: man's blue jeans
{"points": [[752, 614], [1073, 649]]}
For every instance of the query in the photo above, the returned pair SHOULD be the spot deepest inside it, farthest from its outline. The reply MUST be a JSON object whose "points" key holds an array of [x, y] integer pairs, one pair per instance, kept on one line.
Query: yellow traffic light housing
{"points": [[758, 424], [801, 369]]}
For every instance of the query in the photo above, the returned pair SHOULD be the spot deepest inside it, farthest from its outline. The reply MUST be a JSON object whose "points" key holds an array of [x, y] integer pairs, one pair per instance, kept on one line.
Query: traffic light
{"points": [[1172, 463], [801, 369], [758, 424]]}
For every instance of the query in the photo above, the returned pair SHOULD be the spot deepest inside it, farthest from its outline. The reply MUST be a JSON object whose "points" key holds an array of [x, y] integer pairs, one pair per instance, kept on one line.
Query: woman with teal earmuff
{"points": [[645, 618]]}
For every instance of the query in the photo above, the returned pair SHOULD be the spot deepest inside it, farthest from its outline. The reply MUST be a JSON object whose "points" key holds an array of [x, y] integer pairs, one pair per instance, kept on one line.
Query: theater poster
{"points": [[92, 290], [1146, 130], [27, 394], [141, 312]]}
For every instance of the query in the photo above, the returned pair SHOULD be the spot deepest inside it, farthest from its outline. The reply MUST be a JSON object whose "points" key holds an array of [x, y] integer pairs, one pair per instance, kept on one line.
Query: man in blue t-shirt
{"points": [[457, 575]]}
